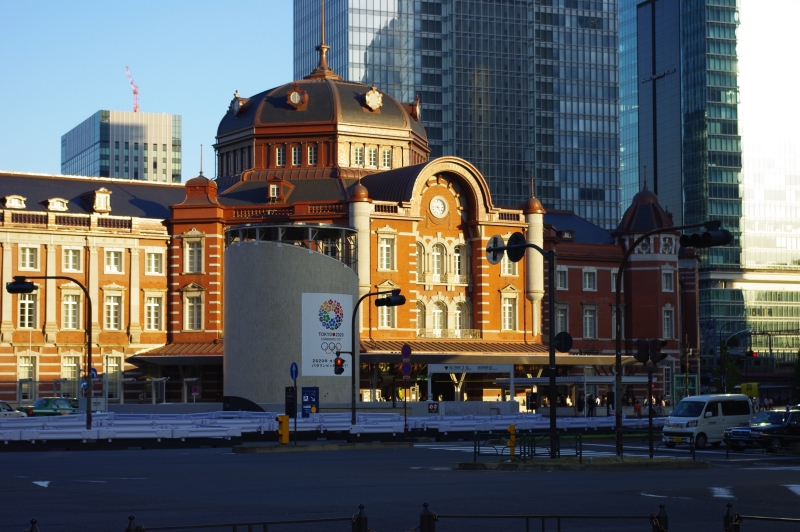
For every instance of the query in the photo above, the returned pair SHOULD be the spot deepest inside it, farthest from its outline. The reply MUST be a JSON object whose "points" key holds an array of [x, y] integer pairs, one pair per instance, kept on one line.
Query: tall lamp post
{"points": [[20, 285], [392, 300], [712, 237]]}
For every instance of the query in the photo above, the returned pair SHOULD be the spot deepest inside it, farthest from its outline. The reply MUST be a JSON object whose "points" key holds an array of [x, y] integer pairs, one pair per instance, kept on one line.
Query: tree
{"points": [[733, 376], [796, 376]]}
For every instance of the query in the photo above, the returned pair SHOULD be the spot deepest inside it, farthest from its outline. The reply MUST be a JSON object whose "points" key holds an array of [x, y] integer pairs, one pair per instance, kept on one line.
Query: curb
{"points": [[661, 465], [316, 447]]}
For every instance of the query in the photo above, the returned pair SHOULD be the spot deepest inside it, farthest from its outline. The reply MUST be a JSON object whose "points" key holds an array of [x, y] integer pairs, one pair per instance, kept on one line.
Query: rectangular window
{"points": [[387, 158], [386, 254], [614, 282], [561, 279], [589, 280], [373, 157], [509, 314], [668, 324], [562, 324], [113, 261], [27, 311], [359, 156], [113, 370], [194, 259], [28, 258], [614, 324], [194, 313], [70, 311], [152, 313], [312, 156], [668, 382], [295, 155], [507, 267], [72, 260], [667, 279], [113, 308], [273, 191], [589, 322], [280, 156], [386, 317], [154, 263]]}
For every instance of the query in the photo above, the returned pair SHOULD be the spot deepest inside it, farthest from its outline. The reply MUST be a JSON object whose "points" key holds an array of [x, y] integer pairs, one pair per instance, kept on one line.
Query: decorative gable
{"points": [[99, 200]]}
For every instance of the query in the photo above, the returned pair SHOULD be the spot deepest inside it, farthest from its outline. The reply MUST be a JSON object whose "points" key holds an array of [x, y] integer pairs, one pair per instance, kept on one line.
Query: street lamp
{"points": [[22, 286], [712, 237], [392, 300]]}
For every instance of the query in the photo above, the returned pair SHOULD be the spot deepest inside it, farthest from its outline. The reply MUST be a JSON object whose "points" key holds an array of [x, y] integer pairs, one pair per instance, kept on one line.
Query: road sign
{"points": [[291, 402], [84, 384], [195, 390], [310, 402], [563, 342], [405, 368], [406, 351], [93, 373], [516, 247], [494, 257], [469, 368], [433, 408], [293, 371]]}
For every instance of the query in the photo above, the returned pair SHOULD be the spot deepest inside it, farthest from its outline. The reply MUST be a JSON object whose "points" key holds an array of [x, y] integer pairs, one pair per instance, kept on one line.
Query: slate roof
{"points": [[584, 231], [128, 197], [257, 192], [393, 185]]}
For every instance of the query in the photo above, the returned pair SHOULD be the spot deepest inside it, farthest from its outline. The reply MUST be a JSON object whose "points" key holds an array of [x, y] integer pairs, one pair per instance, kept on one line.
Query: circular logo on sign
{"points": [[331, 314]]}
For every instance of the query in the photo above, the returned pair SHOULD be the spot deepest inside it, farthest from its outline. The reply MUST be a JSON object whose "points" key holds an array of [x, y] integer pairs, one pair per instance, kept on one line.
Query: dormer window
{"points": [[99, 200], [567, 235], [15, 202], [273, 191], [57, 204]]}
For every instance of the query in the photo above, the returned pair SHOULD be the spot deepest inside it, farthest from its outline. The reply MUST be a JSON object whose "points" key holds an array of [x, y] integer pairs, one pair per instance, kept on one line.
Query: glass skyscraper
{"points": [[737, 168], [126, 145], [523, 89]]}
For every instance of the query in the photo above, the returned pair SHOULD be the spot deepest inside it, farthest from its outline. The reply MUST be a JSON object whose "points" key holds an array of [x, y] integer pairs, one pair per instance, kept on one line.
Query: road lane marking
{"points": [[794, 488], [93, 481], [722, 493], [42, 483], [645, 494]]}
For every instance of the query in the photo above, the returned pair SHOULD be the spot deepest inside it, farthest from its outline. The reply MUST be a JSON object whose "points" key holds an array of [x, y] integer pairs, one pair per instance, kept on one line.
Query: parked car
{"points": [[771, 430], [7, 411], [51, 406]]}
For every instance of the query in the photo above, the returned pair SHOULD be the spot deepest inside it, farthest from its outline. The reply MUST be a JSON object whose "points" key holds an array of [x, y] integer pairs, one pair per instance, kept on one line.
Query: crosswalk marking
{"points": [[722, 493]]}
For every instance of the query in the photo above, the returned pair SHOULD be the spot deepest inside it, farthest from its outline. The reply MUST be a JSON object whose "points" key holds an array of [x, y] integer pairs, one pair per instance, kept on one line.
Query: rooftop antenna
{"points": [[645, 177], [135, 88], [201, 159]]}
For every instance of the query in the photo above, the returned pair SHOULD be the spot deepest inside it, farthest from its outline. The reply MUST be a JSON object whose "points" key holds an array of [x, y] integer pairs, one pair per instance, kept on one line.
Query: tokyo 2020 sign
{"points": [[326, 330]]}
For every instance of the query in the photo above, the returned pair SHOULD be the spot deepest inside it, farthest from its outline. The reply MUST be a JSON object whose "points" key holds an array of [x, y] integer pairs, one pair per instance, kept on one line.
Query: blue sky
{"points": [[61, 61]]}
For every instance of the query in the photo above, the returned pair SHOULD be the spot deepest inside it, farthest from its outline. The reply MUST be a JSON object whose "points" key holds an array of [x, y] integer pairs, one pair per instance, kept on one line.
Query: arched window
{"points": [[420, 317], [459, 263], [420, 262], [437, 262], [439, 316], [460, 319]]}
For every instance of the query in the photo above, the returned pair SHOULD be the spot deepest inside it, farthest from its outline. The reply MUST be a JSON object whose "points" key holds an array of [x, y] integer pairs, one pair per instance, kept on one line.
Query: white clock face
{"points": [[295, 97], [438, 207]]}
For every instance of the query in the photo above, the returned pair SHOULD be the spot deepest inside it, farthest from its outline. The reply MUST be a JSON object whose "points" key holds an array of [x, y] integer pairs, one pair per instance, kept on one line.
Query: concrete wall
{"points": [[264, 283]]}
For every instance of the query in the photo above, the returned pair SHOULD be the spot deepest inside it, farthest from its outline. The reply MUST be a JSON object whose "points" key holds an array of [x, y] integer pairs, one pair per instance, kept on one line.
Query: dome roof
{"points": [[319, 101], [644, 214], [532, 206], [359, 192]]}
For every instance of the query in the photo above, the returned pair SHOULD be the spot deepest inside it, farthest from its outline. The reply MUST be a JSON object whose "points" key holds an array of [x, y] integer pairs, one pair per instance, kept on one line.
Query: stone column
{"points": [[135, 327], [50, 323], [7, 325], [534, 269]]}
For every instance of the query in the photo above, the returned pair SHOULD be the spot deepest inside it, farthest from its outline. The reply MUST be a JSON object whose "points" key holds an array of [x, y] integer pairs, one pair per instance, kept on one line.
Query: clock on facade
{"points": [[373, 99], [438, 207]]}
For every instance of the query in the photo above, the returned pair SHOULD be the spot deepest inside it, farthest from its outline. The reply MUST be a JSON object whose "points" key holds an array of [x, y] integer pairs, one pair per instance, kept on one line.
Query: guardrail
{"points": [[525, 445]]}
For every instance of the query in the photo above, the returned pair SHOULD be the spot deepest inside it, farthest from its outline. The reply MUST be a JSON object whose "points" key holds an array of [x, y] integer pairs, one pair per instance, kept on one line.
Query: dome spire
{"points": [[323, 71]]}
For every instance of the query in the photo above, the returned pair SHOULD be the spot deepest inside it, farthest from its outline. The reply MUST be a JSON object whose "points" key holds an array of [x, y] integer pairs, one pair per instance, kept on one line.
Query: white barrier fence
{"points": [[112, 426]]}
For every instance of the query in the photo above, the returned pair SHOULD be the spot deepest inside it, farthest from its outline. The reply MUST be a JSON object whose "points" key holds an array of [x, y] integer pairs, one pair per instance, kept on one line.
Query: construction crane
{"points": [[135, 88]]}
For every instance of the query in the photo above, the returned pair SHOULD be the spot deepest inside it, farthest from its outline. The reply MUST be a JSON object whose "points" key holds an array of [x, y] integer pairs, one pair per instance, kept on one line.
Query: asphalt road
{"points": [[97, 490]]}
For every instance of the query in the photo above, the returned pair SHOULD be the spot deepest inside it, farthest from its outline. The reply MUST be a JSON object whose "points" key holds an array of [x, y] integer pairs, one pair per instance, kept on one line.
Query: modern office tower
{"points": [[684, 133], [123, 144], [523, 89]]}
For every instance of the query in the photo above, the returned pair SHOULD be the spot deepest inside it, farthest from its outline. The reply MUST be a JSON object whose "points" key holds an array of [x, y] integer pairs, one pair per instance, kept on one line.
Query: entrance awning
{"points": [[182, 354]]}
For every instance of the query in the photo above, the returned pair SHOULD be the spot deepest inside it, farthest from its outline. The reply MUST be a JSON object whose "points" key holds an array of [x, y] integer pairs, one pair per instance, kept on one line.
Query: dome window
{"points": [[297, 98]]}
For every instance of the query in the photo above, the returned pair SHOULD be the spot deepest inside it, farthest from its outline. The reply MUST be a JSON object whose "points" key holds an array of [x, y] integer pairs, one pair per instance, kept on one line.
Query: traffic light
{"points": [[655, 350], [751, 353], [20, 286], [719, 237], [642, 351], [338, 365], [283, 429], [392, 300]]}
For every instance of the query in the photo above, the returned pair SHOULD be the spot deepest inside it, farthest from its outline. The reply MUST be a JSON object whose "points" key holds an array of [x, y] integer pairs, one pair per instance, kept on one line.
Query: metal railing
{"points": [[658, 522], [526, 445]]}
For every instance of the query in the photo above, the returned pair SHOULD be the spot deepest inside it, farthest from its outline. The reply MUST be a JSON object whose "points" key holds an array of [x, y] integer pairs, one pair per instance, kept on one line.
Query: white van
{"points": [[705, 417]]}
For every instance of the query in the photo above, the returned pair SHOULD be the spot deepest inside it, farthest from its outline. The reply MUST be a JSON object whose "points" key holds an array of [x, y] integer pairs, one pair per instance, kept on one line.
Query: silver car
{"points": [[7, 411]]}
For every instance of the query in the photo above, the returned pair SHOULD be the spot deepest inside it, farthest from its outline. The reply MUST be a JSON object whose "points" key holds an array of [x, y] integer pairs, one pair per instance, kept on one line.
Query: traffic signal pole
{"points": [[620, 320]]}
